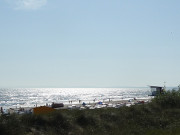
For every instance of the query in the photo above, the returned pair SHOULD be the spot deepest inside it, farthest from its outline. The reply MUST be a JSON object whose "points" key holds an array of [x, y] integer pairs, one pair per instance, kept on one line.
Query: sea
{"points": [[30, 97]]}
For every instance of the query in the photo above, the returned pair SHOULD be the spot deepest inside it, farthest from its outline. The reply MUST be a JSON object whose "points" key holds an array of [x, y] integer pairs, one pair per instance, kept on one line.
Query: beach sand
{"points": [[111, 102]]}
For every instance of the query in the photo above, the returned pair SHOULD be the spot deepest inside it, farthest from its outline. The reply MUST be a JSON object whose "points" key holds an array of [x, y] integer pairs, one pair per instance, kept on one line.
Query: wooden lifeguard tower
{"points": [[156, 90]]}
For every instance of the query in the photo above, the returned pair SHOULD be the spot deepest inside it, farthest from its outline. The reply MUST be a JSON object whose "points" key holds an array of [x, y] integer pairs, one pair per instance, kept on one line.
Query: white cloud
{"points": [[27, 4]]}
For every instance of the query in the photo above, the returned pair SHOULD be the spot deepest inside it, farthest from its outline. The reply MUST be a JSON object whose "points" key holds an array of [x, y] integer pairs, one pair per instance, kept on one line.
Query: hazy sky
{"points": [[89, 43]]}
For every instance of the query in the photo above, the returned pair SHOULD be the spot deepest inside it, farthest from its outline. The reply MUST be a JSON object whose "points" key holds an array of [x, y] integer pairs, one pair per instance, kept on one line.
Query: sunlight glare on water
{"points": [[29, 97]]}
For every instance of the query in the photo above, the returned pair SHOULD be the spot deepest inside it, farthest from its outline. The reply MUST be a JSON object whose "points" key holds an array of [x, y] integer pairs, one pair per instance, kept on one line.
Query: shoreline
{"points": [[115, 102], [88, 105]]}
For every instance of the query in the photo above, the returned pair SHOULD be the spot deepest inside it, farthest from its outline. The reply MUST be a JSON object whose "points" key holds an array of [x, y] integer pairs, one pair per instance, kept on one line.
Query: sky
{"points": [[95, 43]]}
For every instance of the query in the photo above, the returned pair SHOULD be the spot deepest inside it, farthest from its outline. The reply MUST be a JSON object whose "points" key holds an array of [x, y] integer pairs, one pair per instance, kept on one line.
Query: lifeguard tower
{"points": [[156, 90]]}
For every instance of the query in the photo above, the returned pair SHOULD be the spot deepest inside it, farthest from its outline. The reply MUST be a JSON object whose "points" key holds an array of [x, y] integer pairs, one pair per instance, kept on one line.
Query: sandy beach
{"points": [[111, 103], [83, 105]]}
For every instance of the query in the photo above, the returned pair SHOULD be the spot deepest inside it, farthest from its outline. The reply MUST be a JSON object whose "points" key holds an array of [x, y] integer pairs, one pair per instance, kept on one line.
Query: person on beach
{"points": [[94, 100], [83, 103]]}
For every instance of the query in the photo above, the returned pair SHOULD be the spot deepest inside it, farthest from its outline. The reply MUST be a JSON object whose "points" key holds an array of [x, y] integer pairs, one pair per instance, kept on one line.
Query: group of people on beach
{"points": [[70, 101]]}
